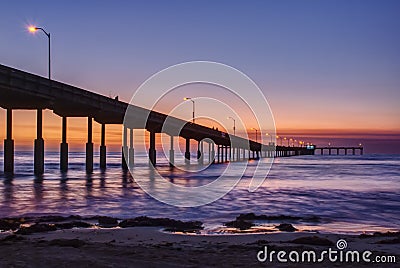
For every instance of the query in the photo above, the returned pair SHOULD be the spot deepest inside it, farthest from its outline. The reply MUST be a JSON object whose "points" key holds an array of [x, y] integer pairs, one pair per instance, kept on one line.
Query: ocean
{"points": [[341, 194]]}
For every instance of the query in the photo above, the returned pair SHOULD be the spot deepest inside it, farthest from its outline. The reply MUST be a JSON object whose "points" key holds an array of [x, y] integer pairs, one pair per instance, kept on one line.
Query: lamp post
{"points": [[193, 106], [279, 137], [267, 134], [34, 29], [234, 124], [287, 140], [256, 133]]}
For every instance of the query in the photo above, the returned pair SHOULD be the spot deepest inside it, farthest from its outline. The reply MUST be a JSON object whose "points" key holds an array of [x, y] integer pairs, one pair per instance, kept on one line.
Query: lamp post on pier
{"points": [[34, 29]]}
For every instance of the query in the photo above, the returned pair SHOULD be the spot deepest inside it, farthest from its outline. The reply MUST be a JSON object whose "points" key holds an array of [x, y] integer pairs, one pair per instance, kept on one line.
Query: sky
{"points": [[329, 69]]}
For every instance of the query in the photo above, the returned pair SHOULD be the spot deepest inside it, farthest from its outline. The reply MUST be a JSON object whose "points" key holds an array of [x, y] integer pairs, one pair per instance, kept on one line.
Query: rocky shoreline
{"points": [[101, 241]]}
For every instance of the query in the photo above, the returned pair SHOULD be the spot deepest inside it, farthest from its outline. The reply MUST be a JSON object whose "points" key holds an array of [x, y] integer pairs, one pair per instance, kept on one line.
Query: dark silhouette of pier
{"points": [[23, 90]]}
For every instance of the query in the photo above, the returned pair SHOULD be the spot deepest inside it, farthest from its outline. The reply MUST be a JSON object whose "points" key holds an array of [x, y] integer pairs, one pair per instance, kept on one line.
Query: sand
{"points": [[151, 247]]}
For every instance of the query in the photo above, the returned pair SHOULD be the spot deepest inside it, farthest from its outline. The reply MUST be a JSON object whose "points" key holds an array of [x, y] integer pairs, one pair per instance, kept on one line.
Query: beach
{"points": [[144, 246]]}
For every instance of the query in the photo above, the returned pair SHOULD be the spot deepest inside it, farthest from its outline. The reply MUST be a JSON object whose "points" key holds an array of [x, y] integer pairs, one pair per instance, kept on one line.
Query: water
{"points": [[348, 193]]}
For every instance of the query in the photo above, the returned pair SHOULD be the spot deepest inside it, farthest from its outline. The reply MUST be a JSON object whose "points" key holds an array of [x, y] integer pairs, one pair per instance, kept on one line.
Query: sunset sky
{"points": [[329, 69]]}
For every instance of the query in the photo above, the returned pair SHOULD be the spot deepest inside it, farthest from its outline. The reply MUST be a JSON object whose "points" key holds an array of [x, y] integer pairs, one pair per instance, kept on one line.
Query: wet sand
{"points": [[152, 247]]}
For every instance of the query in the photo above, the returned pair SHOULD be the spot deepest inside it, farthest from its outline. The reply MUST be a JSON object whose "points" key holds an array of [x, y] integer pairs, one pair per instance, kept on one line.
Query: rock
{"points": [[76, 243], [9, 224], [74, 224], [286, 227], [36, 228], [107, 222], [313, 240], [379, 234], [240, 224]]}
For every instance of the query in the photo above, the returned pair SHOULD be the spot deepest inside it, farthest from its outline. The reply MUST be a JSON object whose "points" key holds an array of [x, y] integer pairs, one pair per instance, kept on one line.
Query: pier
{"points": [[23, 90]]}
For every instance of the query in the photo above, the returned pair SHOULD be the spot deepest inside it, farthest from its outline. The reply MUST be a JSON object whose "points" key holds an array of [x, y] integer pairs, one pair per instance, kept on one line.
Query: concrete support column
{"points": [[103, 148], [212, 156], [226, 153], [361, 151], [209, 152], [172, 153], [64, 146], [131, 149], [187, 151], [238, 154], [124, 162], [9, 145], [39, 145], [152, 149], [89, 147], [354, 151], [200, 153]]}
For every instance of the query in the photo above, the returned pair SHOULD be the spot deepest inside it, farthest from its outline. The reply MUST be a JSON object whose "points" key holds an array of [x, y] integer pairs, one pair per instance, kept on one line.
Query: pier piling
{"points": [[9, 145], [89, 147], [64, 146], [39, 145], [103, 148]]}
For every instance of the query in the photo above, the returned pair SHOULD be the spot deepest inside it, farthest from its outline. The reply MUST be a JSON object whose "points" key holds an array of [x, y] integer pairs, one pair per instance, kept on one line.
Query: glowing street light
{"points": [[267, 134], [34, 29], [193, 106], [256, 132], [234, 124], [279, 137]]}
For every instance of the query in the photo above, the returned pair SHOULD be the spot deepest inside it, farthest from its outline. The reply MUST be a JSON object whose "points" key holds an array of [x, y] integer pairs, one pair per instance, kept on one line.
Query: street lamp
{"points": [[279, 137], [193, 106], [234, 124], [291, 140], [34, 29], [287, 140], [256, 132], [267, 134]]}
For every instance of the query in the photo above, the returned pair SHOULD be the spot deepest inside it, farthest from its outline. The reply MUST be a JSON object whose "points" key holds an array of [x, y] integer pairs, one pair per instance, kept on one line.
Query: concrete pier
{"points": [[124, 163], [131, 149], [171, 152], [39, 145], [200, 153], [64, 146], [89, 147], [26, 91], [103, 148], [187, 151], [152, 149], [9, 145]]}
